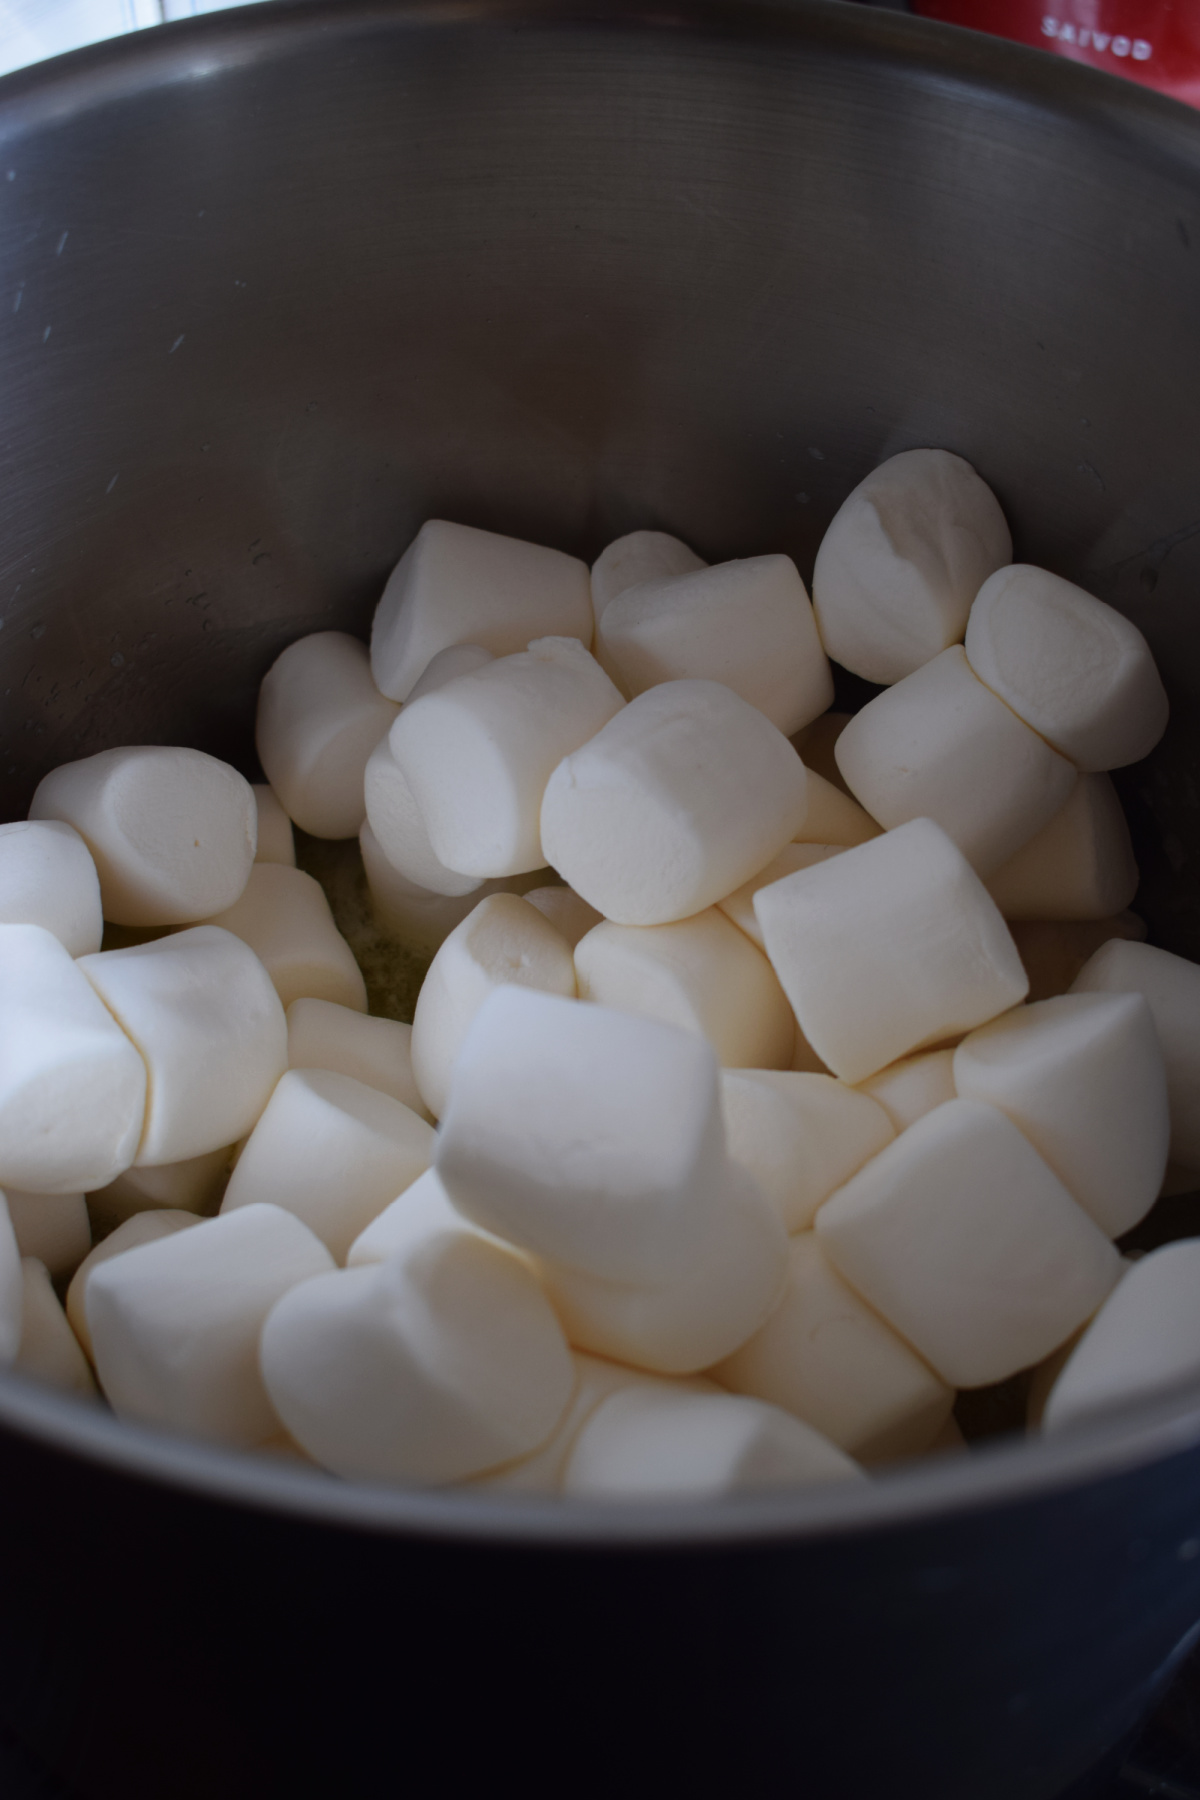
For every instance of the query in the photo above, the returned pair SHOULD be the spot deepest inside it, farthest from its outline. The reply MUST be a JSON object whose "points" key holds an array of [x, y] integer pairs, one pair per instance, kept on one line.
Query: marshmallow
{"points": [[889, 948], [276, 843], [49, 1350], [638, 556], [566, 911], [394, 819], [700, 974], [910, 1088], [439, 1363], [1171, 988], [193, 1185], [284, 917], [1079, 866], [1053, 951], [332, 1151], [320, 715], [902, 560], [72, 1086], [53, 1228], [654, 1443], [457, 585], [1083, 1078], [48, 878], [478, 752], [939, 745], [378, 1052], [143, 1228], [1074, 669], [502, 942], [175, 1324], [969, 1245], [825, 1356], [799, 1136], [11, 1286], [681, 798], [739, 906], [201, 1009], [833, 817], [422, 1212], [448, 665], [748, 624], [172, 832], [816, 745]]}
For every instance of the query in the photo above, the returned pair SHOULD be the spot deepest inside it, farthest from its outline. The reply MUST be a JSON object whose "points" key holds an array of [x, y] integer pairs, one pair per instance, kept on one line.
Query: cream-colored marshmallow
{"points": [[439, 1363], [969, 1245], [194, 1185], [502, 942], [320, 715], [826, 1356], [276, 843], [1083, 1078], [457, 585], [72, 1086], [53, 1228], [889, 948], [816, 745], [332, 1151], [172, 832], [322, 1035], [566, 911], [48, 878], [143, 1228], [1073, 668], [394, 819], [201, 1009], [11, 1287], [833, 817], [800, 1136], [701, 974], [415, 916], [910, 1088], [448, 665], [49, 1350], [939, 745], [739, 906], [1079, 866], [638, 556], [904, 557], [681, 798], [284, 917], [423, 1211], [1054, 951]]}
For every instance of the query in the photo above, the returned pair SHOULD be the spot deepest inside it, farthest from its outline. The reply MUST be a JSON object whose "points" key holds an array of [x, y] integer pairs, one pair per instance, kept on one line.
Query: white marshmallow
{"points": [[320, 715], [201, 1009], [1142, 1344], [11, 1288], [833, 817], [1074, 669], [143, 1228], [1083, 1078], [457, 585], [172, 832], [72, 1086], [905, 555], [638, 556], [816, 745], [193, 1185], [889, 948], [448, 665], [799, 1136], [276, 843], [175, 1324], [748, 624], [739, 906], [284, 917], [910, 1088], [394, 818], [322, 1035], [566, 911], [969, 1245], [332, 1151], [1079, 866], [48, 878], [1054, 951], [422, 1212], [681, 798], [478, 752], [49, 1350], [1171, 988], [441, 1362], [502, 942], [825, 1356], [939, 745], [701, 974], [655, 1443], [53, 1228]]}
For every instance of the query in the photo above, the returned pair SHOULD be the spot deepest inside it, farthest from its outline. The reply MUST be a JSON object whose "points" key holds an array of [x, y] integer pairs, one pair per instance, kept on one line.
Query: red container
{"points": [[1156, 42]]}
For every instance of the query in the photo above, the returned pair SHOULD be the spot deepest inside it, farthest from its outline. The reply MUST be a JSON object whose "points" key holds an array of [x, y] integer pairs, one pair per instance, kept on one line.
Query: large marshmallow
{"points": [[681, 798], [322, 1035], [72, 1086], [457, 585], [1171, 988], [448, 665], [747, 623], [910, 1088], [142, 1228], [904, 557], [503, 942], [888, 949], [415, 916], [833, 817], [701, 974], [175, 1324], [566, 911], [172, 832], [320, 715], [276, 841], [939, 745], [394, 820], [48, 878], [969, 1245], [739, 906], [478, 752], [1074, 669], [201, 1009], [638, 556], [49, 1351], [1054, 951], [1079, 866], [285, 919], [1083, 1077], [826, 1356], [800, 1136], [11, 1287], [422, 1212], [441, 1362], [53, 1228], [193, 1185]]}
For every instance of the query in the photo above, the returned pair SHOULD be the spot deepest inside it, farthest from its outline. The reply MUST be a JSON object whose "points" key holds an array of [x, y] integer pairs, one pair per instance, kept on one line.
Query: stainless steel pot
{"points": [[276, 286]]}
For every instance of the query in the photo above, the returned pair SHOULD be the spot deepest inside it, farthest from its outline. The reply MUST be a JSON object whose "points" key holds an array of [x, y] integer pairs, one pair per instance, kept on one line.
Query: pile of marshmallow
{"points": [[726, 1144]]}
